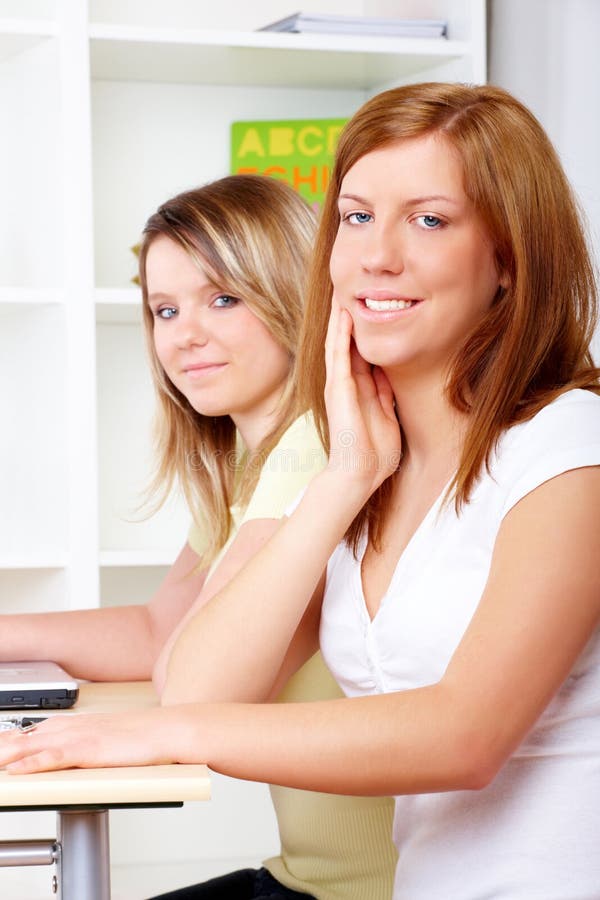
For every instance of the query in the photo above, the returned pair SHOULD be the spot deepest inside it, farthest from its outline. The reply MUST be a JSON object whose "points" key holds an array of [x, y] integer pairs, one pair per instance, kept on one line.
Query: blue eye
{"points": [[358, 218], [225, 301], [165, 312], [430, 222]]}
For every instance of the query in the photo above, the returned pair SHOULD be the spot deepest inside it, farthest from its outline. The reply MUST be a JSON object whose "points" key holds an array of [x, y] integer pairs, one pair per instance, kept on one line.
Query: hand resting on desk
{"points": [[96, 740]]}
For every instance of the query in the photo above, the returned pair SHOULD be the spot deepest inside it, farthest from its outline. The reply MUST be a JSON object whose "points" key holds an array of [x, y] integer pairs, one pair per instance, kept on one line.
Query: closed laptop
{"points": [[36, 685]]}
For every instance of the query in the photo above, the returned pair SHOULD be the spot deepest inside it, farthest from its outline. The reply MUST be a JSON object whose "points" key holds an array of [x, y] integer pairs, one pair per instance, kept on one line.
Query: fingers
{"points": [[43, 761], [331, 332], [358, 364], [337, 343], [33, 751], [385, 393], [49, 746]]}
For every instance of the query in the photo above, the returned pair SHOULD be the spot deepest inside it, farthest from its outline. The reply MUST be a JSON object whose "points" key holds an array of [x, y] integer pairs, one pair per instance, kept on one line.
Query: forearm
{"points": [[234, 648], [387, 744], [159, 669], [97, 644]]}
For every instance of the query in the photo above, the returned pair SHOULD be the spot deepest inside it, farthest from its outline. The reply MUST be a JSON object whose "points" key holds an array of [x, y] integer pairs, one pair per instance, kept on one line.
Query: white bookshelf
{"points": [[107, 108], [200, 56]]}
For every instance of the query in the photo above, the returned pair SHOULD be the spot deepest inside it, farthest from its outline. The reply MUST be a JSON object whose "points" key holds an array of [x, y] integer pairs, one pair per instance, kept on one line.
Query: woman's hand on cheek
{"points": [[91, 741], [363, 428]]}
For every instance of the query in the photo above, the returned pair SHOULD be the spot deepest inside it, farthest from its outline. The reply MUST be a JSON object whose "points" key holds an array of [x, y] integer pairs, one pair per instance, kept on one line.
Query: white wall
{"points": [[226, 14], [546, 52]]}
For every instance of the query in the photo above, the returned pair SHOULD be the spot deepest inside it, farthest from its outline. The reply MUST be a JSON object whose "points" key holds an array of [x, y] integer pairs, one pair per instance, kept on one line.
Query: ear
{"points": [[504, 279], [503, 285]]}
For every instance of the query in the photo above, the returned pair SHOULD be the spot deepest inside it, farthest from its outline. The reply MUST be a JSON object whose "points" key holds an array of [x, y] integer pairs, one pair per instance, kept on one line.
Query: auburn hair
{"points": [[534, 342], [252, 236]]}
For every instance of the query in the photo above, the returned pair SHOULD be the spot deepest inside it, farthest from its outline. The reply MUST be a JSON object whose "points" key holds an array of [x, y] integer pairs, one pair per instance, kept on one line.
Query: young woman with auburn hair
{"points": [[446, 557], [534, 341]]}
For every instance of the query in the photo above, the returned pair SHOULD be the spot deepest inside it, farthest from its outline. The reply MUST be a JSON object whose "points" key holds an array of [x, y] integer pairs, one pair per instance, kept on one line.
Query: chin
{"points": [[205, 409], [386, 357]]}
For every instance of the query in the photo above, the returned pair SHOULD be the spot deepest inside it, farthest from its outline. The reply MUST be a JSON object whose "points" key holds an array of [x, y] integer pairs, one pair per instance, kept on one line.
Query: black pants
{"points": [[247, 884]]}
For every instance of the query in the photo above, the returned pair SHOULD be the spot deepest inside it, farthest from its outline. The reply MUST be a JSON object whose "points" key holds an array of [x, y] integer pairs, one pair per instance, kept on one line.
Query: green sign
{"points": [[299, 151]]}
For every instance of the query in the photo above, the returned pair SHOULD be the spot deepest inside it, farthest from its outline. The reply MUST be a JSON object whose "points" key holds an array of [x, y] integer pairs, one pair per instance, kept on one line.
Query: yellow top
{"points": [[335, 848]]}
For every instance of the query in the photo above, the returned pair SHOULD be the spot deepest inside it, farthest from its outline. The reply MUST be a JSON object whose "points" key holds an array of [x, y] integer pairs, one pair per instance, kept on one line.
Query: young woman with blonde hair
{"points": [[223, 272], [446, 557]]}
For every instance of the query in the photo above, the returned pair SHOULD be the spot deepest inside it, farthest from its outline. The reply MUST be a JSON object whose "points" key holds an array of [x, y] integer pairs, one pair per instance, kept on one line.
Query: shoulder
{"points": [[579, 407], [197, 536], [301, 437], [296, 458], [572, 420], [562, 436]]}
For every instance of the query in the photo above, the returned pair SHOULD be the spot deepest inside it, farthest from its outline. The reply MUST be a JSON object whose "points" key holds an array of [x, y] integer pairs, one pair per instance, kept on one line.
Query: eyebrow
{"points": [[413, 201]]}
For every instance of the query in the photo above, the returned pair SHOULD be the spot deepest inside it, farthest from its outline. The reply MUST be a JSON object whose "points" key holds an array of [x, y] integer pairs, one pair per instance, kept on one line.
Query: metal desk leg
{"points": [[84, 862]]}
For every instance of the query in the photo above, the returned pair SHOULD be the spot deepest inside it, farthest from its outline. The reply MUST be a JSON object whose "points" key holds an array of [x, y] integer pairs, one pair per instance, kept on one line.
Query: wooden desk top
{"points": [[107, 787]]}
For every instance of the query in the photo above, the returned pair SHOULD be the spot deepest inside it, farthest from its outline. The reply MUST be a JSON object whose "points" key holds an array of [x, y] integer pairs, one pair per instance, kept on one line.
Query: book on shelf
{"points": [[323, 23], [298, 151]]}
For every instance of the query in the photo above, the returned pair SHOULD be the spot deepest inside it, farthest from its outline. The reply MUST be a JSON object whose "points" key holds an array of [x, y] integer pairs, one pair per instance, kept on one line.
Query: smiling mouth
{"points": [[387, 305], [204, 368]]}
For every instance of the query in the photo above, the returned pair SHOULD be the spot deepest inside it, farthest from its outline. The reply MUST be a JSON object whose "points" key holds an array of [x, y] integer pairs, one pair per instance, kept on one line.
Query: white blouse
{"points": [[535, 831]]}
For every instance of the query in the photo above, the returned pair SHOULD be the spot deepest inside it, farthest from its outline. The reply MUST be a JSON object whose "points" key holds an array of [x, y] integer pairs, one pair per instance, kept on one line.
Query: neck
{"points": [[433, 430], [255, 426]]}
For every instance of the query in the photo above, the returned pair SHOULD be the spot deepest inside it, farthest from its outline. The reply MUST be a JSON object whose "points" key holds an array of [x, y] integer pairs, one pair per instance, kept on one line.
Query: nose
{"points": [[190, 329], [382, 250]]}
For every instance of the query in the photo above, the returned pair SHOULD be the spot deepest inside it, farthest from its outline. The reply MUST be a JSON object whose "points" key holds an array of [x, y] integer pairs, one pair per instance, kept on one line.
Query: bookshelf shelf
{"points": [[261, 59], [17, 296], [17, 35], [127, 559], [118, 306], [26, 563]]}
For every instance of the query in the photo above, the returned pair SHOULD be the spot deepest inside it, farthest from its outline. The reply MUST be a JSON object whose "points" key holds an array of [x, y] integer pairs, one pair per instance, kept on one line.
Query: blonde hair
{"points": [[533, 343], [252, 235]]}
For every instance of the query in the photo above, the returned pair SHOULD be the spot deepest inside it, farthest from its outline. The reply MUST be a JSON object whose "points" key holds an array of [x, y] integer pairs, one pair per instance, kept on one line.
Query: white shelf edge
{"points": [[258, 40], [137, 558], [118, 296], [22, 563], [118, 306], [28, 27], [39, 296]]}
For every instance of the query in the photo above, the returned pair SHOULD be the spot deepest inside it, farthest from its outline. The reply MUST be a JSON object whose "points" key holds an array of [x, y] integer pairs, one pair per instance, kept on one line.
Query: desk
{"points": [[82, 799]]}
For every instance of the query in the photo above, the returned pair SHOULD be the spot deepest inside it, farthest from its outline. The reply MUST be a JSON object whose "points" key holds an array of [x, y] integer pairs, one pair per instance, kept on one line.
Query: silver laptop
{"points": [[36, 685]]}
